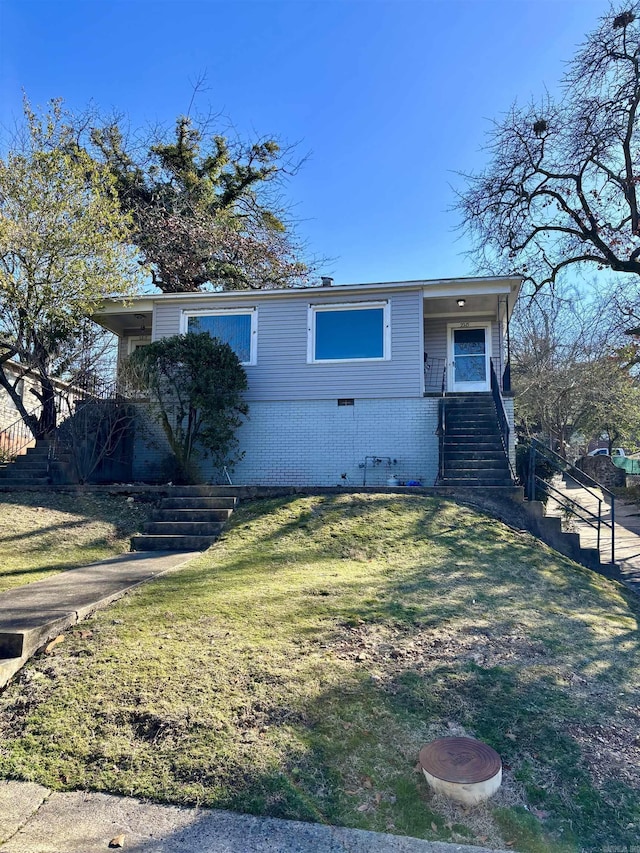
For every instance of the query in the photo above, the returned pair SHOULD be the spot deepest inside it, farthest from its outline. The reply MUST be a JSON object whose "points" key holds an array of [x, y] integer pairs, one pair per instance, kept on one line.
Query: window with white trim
{"points": [[238, 328], [349, 332]]}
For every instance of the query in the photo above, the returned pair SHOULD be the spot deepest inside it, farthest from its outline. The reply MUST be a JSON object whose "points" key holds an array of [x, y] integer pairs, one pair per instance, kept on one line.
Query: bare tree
{"points": [[568, 374], [561, 189], [97, 439]]}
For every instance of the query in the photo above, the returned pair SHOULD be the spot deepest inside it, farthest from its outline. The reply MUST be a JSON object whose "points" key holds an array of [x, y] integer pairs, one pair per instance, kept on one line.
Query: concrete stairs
{"points": [[29, 469], [552, 529], [190, 520], [627, 526], [473, 455], [41, 465]]}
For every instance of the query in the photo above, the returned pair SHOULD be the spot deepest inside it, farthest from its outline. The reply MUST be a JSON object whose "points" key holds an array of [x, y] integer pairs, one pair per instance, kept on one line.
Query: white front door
{"points": [[469, 354]]}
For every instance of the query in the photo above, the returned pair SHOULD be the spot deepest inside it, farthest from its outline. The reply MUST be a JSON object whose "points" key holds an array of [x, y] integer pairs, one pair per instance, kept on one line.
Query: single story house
{"points": [[346, 382]]}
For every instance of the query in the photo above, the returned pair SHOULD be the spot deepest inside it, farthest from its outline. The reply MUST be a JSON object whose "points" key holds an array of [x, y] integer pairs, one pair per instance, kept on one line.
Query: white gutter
{"points": [[431, 289]]}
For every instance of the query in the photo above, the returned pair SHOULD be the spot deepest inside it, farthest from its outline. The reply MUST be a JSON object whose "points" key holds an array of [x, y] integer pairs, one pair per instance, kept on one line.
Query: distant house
{"points": [[346, 382], [15, 437]]}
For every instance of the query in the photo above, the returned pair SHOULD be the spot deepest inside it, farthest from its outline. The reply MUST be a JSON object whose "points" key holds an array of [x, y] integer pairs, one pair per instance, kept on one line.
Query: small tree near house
{"points": [[195, 384]]}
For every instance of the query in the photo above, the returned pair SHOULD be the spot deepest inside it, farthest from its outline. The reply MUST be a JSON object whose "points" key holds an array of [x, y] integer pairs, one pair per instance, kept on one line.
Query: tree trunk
{"points": [[49, 414], [30, 420]]}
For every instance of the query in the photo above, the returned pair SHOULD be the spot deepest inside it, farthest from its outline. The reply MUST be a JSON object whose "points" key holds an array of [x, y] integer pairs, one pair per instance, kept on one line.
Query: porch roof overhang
{"points": [[134, 317], [482, 297]]}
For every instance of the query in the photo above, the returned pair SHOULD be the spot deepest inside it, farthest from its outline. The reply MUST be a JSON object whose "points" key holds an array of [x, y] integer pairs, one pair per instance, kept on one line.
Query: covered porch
{"points": [[466, 335]]}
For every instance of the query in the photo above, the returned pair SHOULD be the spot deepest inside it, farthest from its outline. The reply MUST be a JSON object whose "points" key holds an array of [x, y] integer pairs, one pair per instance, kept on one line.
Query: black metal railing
{"points": [[503, 420], [441, 432], [539, 486], [506, 378], [434, 374], [16, 437]]}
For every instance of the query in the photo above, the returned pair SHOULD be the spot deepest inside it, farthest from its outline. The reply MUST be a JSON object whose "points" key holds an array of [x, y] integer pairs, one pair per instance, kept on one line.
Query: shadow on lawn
{"points": [[570, 674], [463, 623], [50, 545]]}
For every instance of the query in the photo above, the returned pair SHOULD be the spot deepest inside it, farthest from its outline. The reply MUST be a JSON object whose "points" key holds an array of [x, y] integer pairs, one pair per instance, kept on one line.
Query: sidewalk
{"points": [[34, 820], [627, 528], [32, 614]]}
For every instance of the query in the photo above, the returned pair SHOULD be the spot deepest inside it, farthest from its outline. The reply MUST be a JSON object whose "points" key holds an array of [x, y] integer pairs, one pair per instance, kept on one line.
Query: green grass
{"points": [[297, 667], [42, 533]]}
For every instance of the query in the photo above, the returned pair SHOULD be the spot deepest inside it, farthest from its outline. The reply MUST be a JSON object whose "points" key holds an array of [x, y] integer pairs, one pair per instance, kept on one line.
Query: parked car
{"points": [[604, 451]]}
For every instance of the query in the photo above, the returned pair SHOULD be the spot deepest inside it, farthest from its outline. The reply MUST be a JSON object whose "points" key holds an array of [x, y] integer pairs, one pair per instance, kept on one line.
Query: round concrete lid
{"points": [[460, 759]]}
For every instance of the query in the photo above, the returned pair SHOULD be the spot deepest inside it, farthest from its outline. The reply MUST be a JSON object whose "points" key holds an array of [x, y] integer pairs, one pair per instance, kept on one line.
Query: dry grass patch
{"points": [[42, 533], [297, 667]]}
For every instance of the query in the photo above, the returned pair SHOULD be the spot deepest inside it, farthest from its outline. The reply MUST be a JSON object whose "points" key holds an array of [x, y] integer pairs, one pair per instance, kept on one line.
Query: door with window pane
{"points": [[469, 364]]}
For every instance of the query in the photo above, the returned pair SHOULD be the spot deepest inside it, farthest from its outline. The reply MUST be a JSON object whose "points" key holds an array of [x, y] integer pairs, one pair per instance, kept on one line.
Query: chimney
{"points": [[327, 281]]}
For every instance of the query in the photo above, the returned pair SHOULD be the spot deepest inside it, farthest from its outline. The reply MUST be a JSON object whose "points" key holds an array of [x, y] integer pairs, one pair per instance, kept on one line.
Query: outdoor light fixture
{"points": [[461, 303]]}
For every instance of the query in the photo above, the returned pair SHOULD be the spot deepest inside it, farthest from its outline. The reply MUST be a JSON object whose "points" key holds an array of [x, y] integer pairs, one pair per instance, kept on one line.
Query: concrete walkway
{"points": [[32, 614], [34, 820], [626, 526]]}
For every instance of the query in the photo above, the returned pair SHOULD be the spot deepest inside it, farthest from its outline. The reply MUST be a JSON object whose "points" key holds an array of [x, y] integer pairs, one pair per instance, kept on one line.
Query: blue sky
{"points": [[390, 99]]}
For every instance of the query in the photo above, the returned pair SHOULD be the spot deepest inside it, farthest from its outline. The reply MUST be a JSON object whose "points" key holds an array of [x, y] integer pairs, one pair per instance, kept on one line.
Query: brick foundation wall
{"points": [[315, 442], [151, 451]]}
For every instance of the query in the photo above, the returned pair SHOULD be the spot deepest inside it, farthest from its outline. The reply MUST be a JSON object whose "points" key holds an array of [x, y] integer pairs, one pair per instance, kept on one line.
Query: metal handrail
{"points": [[441, 431], [506, 377], [567, 467], [434, 368], [575, 507], [537, 449], [503, 421], [17, 436]]}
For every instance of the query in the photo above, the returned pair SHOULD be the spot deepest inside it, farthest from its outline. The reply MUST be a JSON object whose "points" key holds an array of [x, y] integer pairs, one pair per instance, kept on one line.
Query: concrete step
{"points": [[184, 528], [171, 543], [470, 443], [464, 411], [465, 482], [203, 491], [192, 515], [465, 418], [472, 431], [24, 463], [38, 449], [198, 503], [470, 452], [13, 472], [12, 483], [469, 395], [489, 465]]}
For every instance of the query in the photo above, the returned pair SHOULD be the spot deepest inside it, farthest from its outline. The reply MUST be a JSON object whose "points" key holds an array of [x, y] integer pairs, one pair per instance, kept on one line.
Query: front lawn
{"points": [[296, 668], [42, 533]]}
